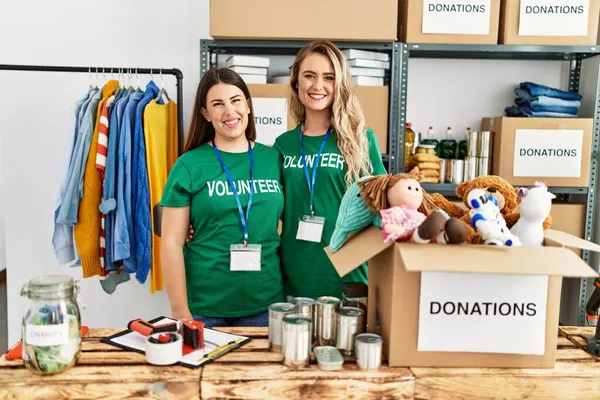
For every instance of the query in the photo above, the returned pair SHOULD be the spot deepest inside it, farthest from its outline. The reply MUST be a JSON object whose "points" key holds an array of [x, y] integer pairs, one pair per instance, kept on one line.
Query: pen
{"points": [[220, 350]]}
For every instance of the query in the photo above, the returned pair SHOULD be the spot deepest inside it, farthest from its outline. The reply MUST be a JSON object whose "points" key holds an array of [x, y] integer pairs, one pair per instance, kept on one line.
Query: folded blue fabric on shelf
{"points": [[536, 107], [514, 111], [545, 100], [541, 90]]}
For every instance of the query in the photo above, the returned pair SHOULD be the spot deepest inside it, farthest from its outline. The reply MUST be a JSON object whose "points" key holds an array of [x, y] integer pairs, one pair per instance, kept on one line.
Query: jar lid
{"points": [[329, 300], [49, 285], [303, 301], [350, 311], [282, 307], [370, 338], [297, 319]]}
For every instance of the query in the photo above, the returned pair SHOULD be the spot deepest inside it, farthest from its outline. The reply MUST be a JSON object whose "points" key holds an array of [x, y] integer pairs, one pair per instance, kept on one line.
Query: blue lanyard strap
{"points": [[311, 184], [243, 218]]}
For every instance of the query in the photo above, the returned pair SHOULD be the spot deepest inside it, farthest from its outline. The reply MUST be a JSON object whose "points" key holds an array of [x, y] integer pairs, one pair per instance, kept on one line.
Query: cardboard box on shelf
{"points": [[272, 119], [452, 22], [549, 22], [344, 20], [556, 151], [465, 306]]}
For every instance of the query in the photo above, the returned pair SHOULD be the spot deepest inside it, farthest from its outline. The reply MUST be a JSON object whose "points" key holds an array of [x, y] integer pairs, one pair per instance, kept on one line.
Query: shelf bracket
{"points": [[399, 92], [574, 74], [204, 57]]}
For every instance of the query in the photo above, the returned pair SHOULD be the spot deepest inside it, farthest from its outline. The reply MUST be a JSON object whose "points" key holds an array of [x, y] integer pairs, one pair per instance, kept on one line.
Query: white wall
{"points": [[458, 93], [36, 122]]}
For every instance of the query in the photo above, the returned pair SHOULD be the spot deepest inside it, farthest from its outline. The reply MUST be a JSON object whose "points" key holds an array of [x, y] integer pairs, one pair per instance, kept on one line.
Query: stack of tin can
{"points": [[328, 323], [479, 154]]}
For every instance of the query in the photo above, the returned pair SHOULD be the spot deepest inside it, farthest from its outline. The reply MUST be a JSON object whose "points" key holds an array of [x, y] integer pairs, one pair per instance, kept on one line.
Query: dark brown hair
{"points": [[374, 191], [202, 131]]}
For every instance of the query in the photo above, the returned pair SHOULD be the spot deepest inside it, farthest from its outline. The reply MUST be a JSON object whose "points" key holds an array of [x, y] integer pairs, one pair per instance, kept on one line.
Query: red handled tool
{"points": [[145, 328]]}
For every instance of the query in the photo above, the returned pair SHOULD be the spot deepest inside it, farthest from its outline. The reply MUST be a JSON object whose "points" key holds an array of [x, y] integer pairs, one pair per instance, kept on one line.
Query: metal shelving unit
{"points": [[575, 55]]}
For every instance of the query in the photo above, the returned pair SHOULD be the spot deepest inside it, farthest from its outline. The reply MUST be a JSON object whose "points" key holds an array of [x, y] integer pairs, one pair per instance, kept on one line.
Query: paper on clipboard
{"points": [[215, 344]]}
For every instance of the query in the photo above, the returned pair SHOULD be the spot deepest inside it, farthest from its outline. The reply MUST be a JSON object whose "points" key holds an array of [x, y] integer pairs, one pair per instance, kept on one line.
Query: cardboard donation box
{"points": [[549, 22], [556, 151], [351, 20], [449, 21], [569, 218], [272, 119], [465, 306]]}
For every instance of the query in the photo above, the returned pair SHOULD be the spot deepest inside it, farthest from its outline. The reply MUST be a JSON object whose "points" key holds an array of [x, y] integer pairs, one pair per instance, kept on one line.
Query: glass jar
{"points": [[51, 326]]}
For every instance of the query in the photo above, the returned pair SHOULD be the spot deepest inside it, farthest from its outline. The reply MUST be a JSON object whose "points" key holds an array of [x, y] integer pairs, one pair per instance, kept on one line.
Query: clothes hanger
{"points": [[112, 76], [138, 81], [131, 88], [162, 93]]}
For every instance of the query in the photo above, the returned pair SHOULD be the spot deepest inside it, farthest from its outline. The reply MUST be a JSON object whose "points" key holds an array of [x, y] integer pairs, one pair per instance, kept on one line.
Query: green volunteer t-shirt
{"points": [[197, 180], [307, 269]]}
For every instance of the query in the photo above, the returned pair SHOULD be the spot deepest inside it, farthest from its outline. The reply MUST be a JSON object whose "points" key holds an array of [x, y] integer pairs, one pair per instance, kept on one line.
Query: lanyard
{"points": [[243, 218], [311, 184]]}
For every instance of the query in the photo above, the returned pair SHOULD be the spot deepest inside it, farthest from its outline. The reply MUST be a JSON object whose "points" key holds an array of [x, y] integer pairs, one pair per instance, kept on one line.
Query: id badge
{"points": [[310, 229], [244, 258]]}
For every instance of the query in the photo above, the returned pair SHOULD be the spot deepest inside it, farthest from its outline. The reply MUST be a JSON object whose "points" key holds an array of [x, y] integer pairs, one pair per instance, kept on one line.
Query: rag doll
{"points": [[407, 212], [487, 220], [536, 203]]}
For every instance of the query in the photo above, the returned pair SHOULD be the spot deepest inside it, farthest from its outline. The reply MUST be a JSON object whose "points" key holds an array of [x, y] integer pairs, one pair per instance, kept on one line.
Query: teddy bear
{"points": [[505, 194]]}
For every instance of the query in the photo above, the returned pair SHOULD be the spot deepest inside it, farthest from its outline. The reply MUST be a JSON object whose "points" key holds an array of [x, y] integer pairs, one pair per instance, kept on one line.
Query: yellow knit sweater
{"points": [[87, 230], [160, 134]]}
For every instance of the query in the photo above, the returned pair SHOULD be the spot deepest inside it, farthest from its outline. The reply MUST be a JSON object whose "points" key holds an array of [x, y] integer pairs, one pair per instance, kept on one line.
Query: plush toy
{"points": [[495, 186], [407, 212], [536, 203], [354, 216], [488, 221]]}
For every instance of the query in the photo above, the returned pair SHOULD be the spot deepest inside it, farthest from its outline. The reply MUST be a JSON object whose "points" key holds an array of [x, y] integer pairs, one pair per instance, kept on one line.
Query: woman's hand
{"points": [[190, 234], [182, 314]]}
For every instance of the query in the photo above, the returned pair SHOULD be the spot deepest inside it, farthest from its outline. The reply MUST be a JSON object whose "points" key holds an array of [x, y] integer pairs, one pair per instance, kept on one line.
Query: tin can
{"points": [[472, 144], [276, 313], [484, 166], [305, 306], [484, 147], [356, 294], [296, 343], [454, 171], [471, 168], [349, 323], [326, 320], [368, 347], [443, 169]]}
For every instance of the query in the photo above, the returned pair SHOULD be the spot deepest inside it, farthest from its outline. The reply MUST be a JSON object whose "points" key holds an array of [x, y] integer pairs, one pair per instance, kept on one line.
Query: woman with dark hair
{"points": [[229, 188]]}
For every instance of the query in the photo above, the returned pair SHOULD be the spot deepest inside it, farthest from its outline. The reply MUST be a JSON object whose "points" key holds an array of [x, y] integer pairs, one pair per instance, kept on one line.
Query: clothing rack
{"points": [[177, 73]]}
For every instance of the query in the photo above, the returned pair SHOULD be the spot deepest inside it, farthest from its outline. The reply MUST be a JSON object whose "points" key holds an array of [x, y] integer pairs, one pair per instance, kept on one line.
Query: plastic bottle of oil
{"points": [[409, 146], [448, 145]]}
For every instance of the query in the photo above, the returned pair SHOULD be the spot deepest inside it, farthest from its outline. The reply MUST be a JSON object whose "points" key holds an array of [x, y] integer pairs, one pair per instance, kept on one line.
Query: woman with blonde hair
{"points": [[330, 148]]}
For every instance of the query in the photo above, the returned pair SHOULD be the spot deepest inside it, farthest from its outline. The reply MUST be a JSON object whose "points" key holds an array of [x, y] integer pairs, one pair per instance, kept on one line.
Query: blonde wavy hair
{"points": [[347, 118]]}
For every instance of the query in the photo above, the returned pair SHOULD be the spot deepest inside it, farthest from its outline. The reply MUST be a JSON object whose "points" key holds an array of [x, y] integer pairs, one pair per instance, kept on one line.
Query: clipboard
{"points": [[216, 344]]}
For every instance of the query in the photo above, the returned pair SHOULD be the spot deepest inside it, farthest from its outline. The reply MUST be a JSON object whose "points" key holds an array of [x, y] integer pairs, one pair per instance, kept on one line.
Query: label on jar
{"points": [[47, 335]]}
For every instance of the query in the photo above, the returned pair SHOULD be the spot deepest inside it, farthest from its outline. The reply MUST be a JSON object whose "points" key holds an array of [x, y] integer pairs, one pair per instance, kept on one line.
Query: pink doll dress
{"points": [[404, 217]]}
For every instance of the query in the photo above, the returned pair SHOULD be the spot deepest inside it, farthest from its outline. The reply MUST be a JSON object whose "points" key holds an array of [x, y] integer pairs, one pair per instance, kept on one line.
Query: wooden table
{"points": [[253, 372]]}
